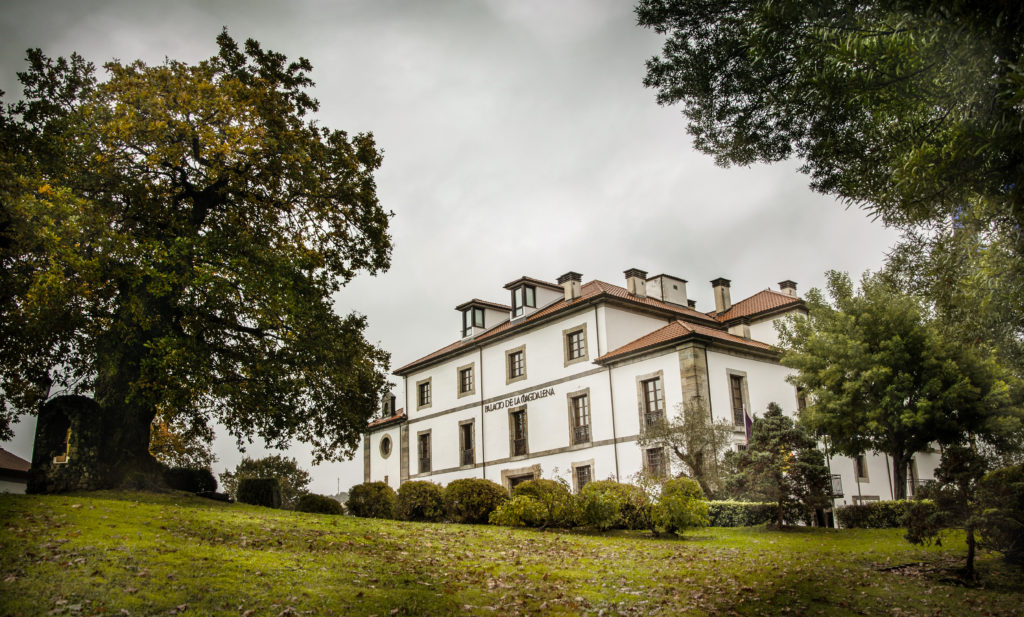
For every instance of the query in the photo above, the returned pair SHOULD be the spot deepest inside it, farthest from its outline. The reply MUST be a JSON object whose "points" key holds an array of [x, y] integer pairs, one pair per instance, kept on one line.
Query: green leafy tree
{"points": [[879, 375], [171, 241], [782, 465], [680, 506], [911, 110], [292, 479], [696, 441], [175, 446]]}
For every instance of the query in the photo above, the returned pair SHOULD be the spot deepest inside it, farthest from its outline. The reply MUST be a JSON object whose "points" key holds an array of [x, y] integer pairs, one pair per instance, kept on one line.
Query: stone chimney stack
{"points": [[570, 282], [788, 287], [636, 282], [721, 288]]}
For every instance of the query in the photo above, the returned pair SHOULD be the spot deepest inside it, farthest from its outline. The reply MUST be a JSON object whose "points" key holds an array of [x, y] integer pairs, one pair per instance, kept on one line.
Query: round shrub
{"points": [[372, 500], [680, 506], [607, 504], [560, 507], [420, 500], [739, 513], [191, 480], [520, 511], [318, 504], [260, 492], [471, 500]]}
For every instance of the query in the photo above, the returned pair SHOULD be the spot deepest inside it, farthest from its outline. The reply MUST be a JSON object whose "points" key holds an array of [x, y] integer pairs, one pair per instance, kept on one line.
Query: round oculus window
{"points": [[385, 446]]}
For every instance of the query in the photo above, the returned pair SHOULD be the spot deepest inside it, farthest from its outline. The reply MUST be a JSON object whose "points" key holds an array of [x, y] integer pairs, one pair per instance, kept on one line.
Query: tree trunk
{"points": [[969, 568], [899, 475]]}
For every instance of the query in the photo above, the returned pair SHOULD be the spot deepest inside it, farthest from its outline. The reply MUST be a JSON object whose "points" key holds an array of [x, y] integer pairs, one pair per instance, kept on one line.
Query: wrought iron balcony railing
{"points": [[581, 434]]}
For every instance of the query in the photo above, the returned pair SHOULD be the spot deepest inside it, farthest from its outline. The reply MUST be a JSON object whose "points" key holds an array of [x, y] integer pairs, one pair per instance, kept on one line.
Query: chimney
{"points": [[636, 282], [741, 329], [788, 287], [667, 288], [570, 282], [721, 288]]}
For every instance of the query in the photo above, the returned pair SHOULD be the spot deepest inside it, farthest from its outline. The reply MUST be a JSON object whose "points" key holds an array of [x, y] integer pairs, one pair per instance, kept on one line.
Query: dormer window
{"points": [[472, 317], [523, 297]]}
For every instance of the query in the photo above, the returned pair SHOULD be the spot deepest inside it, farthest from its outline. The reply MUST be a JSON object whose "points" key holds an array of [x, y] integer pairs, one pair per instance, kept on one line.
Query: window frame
{"points": [[424, 437], [512, 439], [663, 471], [738, 419], [459, 382], [523, 297], [567, 346], [509, 354], [646, 414], [424, 393], [471, 423], [576, 474], [572, 400]]}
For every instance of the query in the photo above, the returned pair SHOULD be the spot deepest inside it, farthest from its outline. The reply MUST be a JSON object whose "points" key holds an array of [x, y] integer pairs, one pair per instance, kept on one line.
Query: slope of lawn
{"points": [[120, 553]]}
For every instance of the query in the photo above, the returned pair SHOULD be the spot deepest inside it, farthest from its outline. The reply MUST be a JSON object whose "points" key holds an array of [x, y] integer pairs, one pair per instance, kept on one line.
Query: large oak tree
{"points": [[911, 109], [171, 239]]}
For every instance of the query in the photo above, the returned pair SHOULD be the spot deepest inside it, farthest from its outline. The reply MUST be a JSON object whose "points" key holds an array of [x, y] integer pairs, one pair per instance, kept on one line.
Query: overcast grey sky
{"points": [[518, 139]]}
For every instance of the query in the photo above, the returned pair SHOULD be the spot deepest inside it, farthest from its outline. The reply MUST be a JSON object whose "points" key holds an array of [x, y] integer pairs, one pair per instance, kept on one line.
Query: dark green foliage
{"points": [[908, 109], [419, 500], [318, 504], [372, 500], [191, 480], [607, 504], [680, 506], [880, 376], [782, 465], [739, 513], [560, 506], [1001, 494], [173, 239], [292, 479], [471, 500], [951, 502], [259, 492], [879, 514]]}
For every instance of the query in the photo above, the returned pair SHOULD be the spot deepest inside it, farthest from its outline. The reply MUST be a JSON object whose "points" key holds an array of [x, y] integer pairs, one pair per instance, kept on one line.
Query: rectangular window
{"points": [[472, 318], [522, 297], [583, 477], [580, 419], [574, 343], [801, 399], [736, 395], [466, 380], [424, 452], [423, 393], [516, 366], [467, 453], [654, 461], [654, 401], [518, 445], [860, 467]]}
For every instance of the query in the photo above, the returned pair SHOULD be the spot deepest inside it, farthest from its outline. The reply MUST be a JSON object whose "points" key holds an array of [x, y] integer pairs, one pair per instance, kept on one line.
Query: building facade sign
{"points": [[522, 399]]}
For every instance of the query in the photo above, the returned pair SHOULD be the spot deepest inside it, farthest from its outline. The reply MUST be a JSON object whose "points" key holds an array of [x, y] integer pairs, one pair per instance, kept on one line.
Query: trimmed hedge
{"points": [[372, 500], [739, 513], [318, 504], [875, 515], [607, 504], [471, 500], [260, 492], [520, 511], [191, 480], [680, 506], [419, 500]]}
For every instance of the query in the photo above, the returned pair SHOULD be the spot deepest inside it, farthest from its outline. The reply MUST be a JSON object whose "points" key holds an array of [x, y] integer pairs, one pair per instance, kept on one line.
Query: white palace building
{"points": [[564, 380]]}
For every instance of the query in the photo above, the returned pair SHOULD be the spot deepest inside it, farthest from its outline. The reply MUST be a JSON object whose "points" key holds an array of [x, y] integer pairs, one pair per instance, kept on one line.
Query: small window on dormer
{"points": [[523, 297], [472, 318]]}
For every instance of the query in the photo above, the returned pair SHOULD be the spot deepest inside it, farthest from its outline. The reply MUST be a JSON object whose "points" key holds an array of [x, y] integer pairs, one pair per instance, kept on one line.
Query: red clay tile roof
{"points": [[761, 302], [532, 281], [399, 416], [589, 290], [678, 330], [12, 461]]}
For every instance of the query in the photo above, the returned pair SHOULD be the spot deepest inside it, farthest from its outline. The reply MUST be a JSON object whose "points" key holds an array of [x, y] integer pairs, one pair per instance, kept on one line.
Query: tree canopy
{"points": [[879, 375], [911, 109], [171, 239], [696, 440], [292, 479]]}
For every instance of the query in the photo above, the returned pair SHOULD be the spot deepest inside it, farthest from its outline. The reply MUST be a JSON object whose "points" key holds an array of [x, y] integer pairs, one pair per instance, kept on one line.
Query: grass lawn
{"points": [[121, 553]]}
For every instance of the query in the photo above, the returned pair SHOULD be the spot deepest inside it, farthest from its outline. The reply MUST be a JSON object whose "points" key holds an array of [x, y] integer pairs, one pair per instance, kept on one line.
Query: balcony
{"points": [[519, 447], [581, 434], [837, 485], [424, 465], [467, 457], [654, 418]]}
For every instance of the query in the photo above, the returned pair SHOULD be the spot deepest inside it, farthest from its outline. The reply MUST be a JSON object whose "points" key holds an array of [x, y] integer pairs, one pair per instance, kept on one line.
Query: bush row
{"points": [[875, 515]]}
